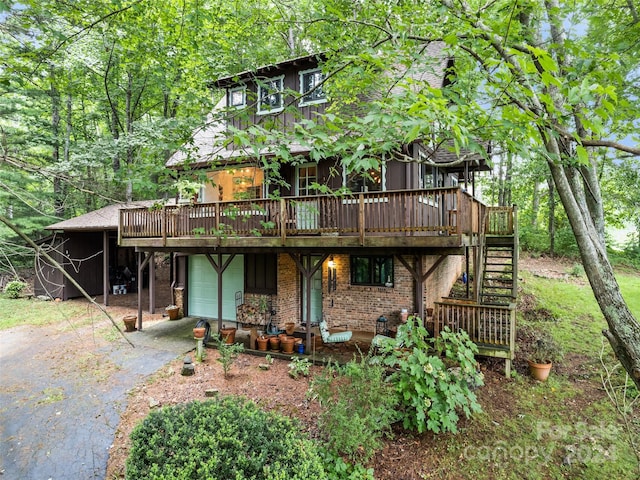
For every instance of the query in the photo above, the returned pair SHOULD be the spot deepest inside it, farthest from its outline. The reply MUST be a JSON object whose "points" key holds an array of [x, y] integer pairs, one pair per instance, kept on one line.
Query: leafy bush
{"points": [[338, 469], [14, 288], [533, 239], [224, 439], [228, 354], [299, 366], [358, 407], [431, 389]]}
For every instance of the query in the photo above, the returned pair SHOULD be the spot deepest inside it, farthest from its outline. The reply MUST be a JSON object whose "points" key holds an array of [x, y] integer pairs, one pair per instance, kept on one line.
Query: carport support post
{"points": [[219, 267], [143, 259], [105, 268]]}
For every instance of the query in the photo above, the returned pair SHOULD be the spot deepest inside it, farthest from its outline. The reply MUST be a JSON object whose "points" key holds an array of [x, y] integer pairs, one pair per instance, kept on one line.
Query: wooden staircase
{"points": [[499, 278]]}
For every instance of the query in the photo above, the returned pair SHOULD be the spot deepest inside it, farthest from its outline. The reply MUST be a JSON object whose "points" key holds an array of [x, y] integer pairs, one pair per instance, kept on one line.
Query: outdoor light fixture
{"points": [[332, 276]]}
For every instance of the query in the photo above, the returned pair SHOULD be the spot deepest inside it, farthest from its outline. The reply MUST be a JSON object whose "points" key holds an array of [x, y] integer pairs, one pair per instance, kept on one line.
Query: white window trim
{"points": [[262, 111], [301, 75], [241, 88]]}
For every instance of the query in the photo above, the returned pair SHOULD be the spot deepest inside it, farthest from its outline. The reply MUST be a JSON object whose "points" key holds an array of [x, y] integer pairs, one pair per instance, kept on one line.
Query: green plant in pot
{"points": [[546, 351]]}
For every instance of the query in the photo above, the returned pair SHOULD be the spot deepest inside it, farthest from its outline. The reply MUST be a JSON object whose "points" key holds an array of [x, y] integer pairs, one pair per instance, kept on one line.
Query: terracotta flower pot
{"points": [[173, 312], [289, 327], [287, 344], [198, 332], [228, 335], [262, 342], [129, 323], [274, 343], [539, 371]]}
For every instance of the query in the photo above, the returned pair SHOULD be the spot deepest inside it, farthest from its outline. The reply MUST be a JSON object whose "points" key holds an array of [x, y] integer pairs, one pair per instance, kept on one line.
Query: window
{"points": [[426, 176], [270, 95], [260, 273], [371, 270], [311, 87], [237, 97], [371, 180]]}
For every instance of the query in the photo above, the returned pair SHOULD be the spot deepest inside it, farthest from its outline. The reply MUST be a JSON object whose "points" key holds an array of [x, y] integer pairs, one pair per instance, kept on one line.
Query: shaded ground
{"points": [[65, 394]]}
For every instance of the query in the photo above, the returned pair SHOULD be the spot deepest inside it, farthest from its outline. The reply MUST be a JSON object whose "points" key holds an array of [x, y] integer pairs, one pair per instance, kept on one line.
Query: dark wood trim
{"points": [[105, 268], [143, 260], [419, 278], [308, 274], [220, 267]]}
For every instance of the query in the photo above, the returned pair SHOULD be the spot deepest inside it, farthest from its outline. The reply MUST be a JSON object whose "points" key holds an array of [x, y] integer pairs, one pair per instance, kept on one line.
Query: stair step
{"points": [[499, 295]]}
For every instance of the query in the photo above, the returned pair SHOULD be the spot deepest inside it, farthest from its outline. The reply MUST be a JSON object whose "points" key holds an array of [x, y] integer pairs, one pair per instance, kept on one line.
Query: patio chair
{"points": [[338, 337]]}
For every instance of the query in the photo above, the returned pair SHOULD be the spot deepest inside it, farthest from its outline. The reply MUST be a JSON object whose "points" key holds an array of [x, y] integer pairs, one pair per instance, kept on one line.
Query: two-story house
{"points": [[400, 237]]}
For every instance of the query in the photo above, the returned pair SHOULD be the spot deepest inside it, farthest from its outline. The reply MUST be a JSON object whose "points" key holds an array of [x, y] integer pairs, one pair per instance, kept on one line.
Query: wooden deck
{"points": [[441, 218]]}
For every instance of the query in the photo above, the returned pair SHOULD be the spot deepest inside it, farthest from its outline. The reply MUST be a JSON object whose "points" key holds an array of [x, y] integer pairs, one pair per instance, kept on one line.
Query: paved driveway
{"points": [[62, 392]]}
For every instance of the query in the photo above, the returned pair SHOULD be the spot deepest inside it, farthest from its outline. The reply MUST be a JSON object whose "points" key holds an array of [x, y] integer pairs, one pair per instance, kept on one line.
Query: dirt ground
{"points": [[403, 457]]}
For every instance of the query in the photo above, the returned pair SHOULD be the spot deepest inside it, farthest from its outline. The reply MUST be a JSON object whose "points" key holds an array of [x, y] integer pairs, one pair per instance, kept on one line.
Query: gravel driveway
{"points": [[62, 391]]}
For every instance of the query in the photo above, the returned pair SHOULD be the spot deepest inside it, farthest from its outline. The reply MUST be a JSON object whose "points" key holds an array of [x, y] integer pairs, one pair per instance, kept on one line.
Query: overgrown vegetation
{"points": [[14, 289], [358, 408], [224, 439], [299, 366], [434, 377]]}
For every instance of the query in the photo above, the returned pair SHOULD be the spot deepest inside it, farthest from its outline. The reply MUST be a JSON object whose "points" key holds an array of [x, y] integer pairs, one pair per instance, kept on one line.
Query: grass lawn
{"points": [[37, 312], [563, 428]]}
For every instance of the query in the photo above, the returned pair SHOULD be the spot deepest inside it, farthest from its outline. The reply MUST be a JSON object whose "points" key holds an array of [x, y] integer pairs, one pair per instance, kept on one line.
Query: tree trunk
{"points": [[535, 205], [624, 330], [58, 187], [552, 217]]}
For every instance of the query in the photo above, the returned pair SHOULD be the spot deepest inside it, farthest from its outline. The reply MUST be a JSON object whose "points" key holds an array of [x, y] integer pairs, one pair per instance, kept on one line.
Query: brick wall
{"points": [[359, 307], [287, 303]]}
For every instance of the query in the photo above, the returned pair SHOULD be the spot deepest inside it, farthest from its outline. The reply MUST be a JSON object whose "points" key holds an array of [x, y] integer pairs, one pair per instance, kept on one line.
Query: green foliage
{"points": [[224, 439], [228, 353], [337, 469], [533, 239], [358, 408], [299, 366], [14, 289], [434, 377], [546, 349]]}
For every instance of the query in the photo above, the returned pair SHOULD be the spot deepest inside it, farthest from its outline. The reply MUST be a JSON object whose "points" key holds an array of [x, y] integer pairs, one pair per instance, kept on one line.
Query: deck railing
{"points": [[490, 327], [500, 220], [440, 211]]}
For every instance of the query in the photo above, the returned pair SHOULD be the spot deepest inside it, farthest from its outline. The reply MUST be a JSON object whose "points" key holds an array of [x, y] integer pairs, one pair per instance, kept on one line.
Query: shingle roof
{"points": [[99, 220]]}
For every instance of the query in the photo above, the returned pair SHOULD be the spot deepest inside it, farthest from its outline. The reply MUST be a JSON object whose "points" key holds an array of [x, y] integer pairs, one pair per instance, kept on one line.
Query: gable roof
{"points": [[301, 63], [99, 220]]}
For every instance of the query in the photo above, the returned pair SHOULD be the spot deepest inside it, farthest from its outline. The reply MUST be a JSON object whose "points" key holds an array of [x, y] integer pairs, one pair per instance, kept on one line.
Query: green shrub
{"points": [[226, 439], [338, 469], [14, 288], [433, 388], [358, 407], [228, 354], [299, 366]]}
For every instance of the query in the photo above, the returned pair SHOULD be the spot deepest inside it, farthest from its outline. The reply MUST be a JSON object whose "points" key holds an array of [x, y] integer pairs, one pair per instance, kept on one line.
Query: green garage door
{"points": [[203, 287]]}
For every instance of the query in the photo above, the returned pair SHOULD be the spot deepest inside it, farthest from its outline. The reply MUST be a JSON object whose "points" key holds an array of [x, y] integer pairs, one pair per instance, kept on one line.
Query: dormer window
{"points": [[237, 97], [311, 87], [270, 95]]}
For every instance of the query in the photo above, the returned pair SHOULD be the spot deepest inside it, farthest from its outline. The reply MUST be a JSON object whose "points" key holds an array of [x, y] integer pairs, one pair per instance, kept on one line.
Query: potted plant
{"points": [[173, 311], [545, 352]]}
